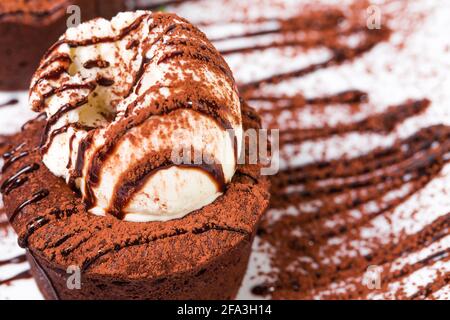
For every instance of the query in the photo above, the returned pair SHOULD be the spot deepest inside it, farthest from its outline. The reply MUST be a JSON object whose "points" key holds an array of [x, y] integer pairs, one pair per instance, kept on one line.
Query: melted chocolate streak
{"points": [[36, 197], [18, 179], [94, 40], [433, 147], [15, 260], [413, 162]]}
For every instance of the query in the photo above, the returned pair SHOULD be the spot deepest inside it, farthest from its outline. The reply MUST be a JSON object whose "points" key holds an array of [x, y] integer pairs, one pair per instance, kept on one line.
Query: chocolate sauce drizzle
{"points": [[96, 40], [36, 197], [132, 182], [62, 111], [195, 48], [37, 14], [47, 140], [32, 226], [45, 275], [8, 103], [13, 159], [14, 260], [22, 275], [309, 20], [18, 178], [381, 123], [39, 117], [105, 82], [328, 23], [96, 63], [11, 152]]}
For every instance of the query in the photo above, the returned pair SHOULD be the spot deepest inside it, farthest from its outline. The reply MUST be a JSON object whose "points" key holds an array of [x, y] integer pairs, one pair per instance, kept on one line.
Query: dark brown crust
{"points": [[59, 233]]}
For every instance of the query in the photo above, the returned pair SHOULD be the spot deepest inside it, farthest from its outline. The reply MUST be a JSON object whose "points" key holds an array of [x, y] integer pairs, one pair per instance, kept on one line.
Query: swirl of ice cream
{"points": [[131, 103]]}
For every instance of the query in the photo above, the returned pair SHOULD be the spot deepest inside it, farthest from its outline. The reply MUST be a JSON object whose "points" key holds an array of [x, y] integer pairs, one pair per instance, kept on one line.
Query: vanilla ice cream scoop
{"points": [[143, 116]]}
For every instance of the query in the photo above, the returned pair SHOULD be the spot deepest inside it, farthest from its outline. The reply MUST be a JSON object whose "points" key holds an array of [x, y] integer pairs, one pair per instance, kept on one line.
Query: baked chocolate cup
{"points": [[28, 28], [200, 256]]}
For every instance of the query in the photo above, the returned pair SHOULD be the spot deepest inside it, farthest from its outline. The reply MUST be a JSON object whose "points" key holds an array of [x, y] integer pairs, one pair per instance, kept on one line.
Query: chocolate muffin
{"points": [[28, 28], [92, 184]]}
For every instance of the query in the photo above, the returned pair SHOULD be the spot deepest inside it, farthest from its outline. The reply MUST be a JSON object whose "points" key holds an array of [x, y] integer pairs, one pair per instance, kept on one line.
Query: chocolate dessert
{"points": [[116, 100], [28, 28]]}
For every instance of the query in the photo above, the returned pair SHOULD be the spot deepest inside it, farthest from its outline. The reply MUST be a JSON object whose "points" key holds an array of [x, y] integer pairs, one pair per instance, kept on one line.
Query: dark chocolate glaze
{"points": [[42, 271], [62, 111], [194, 49], [105, 82], [11, 152], [87, 42], [32, 226], [36, 197]]}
